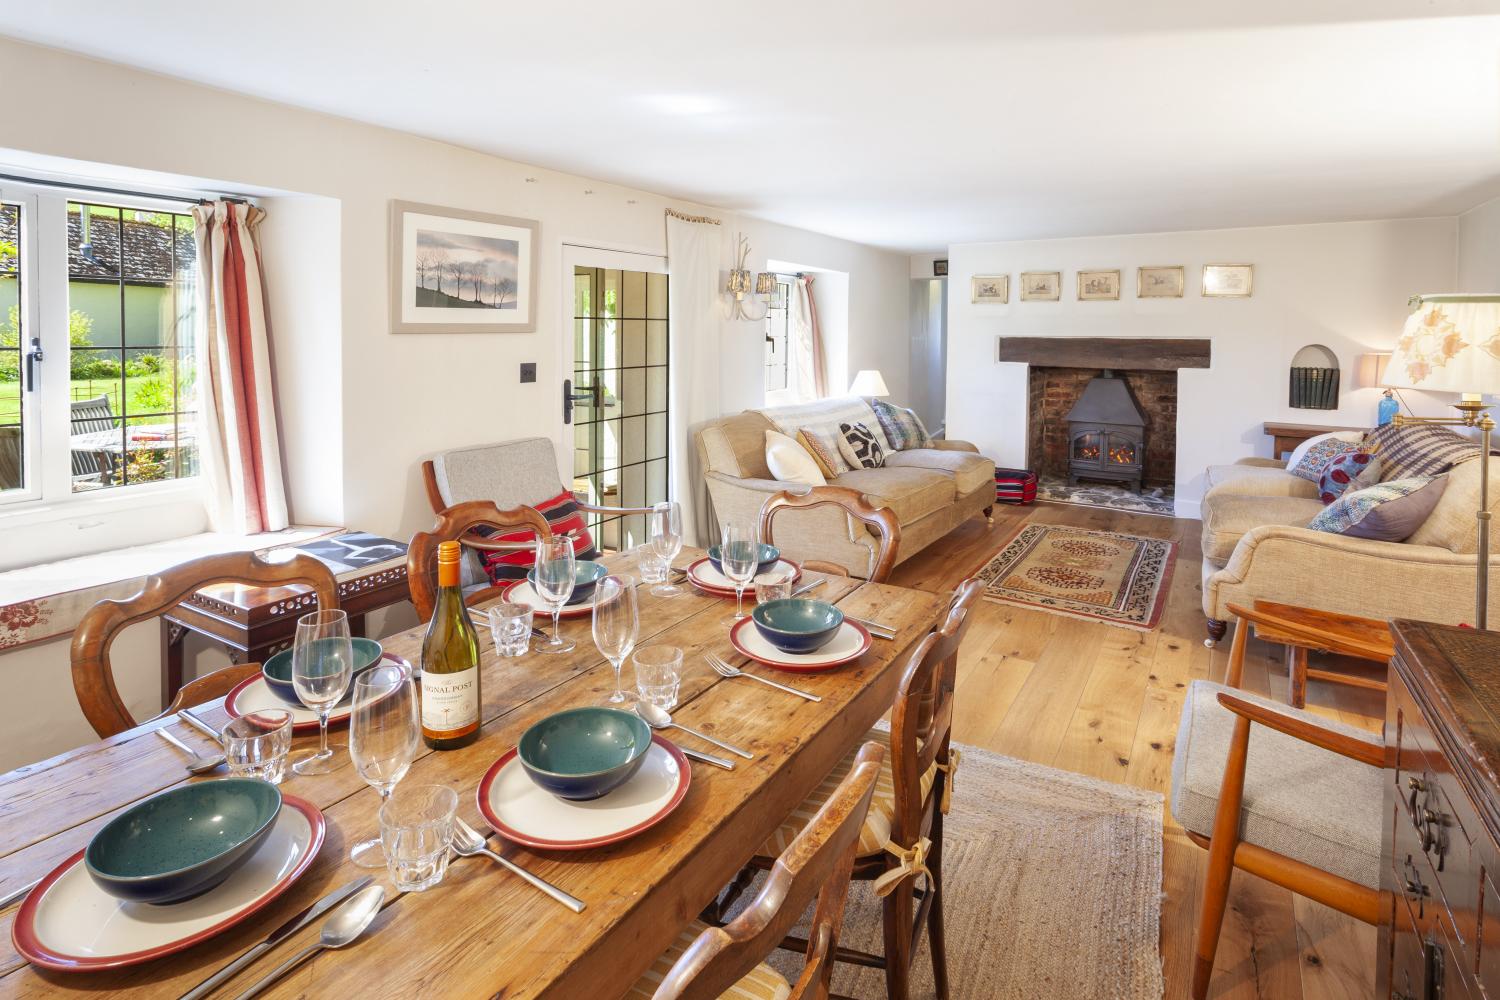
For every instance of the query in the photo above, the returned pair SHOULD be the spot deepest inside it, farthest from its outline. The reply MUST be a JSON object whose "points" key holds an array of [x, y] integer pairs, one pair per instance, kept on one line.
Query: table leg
{"points": [[1296, 670], [357, 626], [171, 660]]}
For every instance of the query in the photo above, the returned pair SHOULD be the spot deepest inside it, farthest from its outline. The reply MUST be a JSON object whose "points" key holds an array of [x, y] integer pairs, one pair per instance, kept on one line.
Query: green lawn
{"points": [[10, 397]]}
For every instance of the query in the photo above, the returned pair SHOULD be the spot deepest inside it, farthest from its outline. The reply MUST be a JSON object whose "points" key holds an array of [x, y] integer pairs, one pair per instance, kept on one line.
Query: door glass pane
{"points": [[12, 339]]}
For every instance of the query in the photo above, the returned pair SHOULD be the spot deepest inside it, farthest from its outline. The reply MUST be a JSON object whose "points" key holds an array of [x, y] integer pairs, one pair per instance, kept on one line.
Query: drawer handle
{"points": [[1416, 888]]}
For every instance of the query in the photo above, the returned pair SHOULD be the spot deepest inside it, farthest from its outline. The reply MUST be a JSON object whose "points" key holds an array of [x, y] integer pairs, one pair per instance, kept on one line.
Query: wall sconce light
{"points": [[737, 288]]}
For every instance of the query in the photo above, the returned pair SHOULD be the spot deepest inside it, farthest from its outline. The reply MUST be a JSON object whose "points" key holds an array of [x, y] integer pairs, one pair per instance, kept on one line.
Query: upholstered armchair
{"points": [[520, 473]]}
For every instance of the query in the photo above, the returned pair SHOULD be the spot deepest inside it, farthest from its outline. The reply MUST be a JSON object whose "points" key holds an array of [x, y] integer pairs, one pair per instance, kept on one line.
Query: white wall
{"points": [[1342, 285], [1479, 248]]}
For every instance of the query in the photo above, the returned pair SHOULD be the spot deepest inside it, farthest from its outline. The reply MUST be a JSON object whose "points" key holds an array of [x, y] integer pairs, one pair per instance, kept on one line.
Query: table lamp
{"points": [[1451, 343], [868, 383]]}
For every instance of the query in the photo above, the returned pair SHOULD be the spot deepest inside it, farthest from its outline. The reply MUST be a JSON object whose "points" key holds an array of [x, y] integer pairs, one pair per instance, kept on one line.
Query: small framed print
{"points": [[1041, 286], [940, 269], [1227, 280], [989, 289], [1159, 282], [1098, 286]]}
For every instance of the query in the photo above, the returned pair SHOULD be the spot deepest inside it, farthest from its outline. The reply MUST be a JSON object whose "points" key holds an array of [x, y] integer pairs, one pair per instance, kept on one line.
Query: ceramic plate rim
{"points": [[338, 716], [708, 588], [515, 836], [568, 611], [23, 935], [800, 667]]}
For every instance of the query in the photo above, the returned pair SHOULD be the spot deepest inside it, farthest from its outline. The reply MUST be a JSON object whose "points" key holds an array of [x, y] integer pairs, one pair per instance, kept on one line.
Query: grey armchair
{"points": [[509, 474]]}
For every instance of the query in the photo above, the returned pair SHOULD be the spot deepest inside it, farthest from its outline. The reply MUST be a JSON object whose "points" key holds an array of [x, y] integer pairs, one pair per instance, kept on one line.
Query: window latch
{"points": [[33, 358]]}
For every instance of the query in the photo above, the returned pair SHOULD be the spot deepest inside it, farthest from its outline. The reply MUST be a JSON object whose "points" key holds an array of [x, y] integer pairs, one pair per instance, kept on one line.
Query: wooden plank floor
{"points": [[1104, 701]]}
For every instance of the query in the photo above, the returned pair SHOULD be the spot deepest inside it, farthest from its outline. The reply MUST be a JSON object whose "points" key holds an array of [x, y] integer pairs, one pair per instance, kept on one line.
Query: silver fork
{"points": [[725, 670]]}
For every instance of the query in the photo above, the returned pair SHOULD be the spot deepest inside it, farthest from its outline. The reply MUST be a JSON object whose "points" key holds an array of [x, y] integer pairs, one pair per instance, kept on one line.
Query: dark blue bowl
{"points": [[583, 753], [586, 576], [794, 625], [183, 842], [277, 670], [769, 555]]}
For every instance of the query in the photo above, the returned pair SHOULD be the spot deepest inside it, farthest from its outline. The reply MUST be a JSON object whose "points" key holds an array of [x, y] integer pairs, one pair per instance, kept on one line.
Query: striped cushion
{"points": [[1418, 450], [879, 821], [902, 427], [762, 982], [821, 420], [826, 461], [563, 516]]}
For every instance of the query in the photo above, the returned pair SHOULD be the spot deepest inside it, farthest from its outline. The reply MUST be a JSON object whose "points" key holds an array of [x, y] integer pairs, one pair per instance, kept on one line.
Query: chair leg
{"points": [[897, 917], [1296, 676], [936, 942], [1211, 917], [989, 514]]}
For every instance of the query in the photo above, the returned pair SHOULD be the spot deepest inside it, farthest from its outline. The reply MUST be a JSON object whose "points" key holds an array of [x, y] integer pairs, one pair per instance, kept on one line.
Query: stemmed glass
{"points": [[617, 624], [322, 664], [739, 554], [666, 538], [384, 734], [555, 569]]}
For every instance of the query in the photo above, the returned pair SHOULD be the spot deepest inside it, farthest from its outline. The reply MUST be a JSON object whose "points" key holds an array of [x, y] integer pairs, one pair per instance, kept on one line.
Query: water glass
{"points": [[322, 665], [773, 586], [739, 555], [256, 745], [385, 732], [658, 673], [665, 523], [617, 624], [510, 627], [416, 830], [555, 573], [653, 568]]}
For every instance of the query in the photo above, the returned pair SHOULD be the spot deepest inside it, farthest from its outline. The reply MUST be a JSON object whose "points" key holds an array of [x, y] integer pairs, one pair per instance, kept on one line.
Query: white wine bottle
{"points": [[450, 663]]}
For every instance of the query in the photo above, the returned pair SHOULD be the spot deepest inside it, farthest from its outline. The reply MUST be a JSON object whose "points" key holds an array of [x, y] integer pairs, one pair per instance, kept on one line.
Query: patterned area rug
{"points": [[1052, 885], [1155, 500], [1115, 578]]}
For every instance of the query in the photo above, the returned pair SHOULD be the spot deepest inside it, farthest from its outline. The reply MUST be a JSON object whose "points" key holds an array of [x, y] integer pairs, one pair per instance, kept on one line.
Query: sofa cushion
{"points": [[1386, 512], [858, 446], [1256, 480], [821, 419], [736, 446], [1410, 450], [1349, 470], [1315, 460], [970, 471], [911, 494], [1452, 524], [790, 463], [1295, 458], [1302, 801], [902, 427], [1230, 516], [826, 460]]}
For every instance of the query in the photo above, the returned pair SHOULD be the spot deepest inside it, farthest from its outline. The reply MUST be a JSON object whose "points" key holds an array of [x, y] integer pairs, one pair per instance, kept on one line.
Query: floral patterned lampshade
{"points": [[1451, 343]]}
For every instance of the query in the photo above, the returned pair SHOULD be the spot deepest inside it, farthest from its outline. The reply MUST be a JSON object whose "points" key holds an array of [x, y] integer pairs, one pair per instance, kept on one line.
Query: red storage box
{"points": [[1017, 486]]}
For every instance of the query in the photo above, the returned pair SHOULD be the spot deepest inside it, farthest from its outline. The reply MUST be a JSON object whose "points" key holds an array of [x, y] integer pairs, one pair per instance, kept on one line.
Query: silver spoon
{"points": [[199, 764], [657, 718], [342, 927], [468, 842]]}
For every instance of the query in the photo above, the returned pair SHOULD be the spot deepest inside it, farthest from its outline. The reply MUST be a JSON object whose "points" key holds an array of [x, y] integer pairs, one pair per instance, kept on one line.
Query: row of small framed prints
{"points": [[1219, 281]]}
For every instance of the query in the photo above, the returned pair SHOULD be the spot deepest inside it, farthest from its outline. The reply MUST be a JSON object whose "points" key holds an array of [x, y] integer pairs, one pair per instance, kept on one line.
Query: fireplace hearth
{"points": [[1106, 434]]}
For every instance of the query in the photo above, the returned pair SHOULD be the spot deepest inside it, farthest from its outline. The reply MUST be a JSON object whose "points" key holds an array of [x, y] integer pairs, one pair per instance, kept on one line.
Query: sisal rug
{"points": [[1159, 500], [1102, 575], [1052, 891]]}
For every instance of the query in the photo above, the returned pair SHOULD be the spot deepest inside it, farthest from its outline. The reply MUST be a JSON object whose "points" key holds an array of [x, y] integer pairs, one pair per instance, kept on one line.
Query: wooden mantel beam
{"points": [[1125, 353]]}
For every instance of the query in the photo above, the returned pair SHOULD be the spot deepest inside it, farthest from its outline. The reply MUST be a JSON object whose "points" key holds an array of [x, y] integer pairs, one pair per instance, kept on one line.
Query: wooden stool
{"points": [[1302, 629]]}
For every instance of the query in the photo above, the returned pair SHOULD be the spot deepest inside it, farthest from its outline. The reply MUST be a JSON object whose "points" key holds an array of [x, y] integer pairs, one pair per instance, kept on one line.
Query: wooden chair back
{"points": [[880, 519], [91, 415], [93, 677], [817, 864], [458, 523]]}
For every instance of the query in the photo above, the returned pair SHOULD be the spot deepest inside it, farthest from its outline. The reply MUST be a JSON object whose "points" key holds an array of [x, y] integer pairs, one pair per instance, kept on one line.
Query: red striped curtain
{"points": [[239, 448]]}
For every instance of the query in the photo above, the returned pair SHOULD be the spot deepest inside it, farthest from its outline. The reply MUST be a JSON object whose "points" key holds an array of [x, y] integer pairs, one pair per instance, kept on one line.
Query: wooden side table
{"points": [[1363, 635], [255, 622], [1286, 437]]}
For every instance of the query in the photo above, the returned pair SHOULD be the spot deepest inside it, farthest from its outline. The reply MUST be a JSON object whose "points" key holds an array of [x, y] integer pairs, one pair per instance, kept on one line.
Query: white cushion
{"points": [[789, 462], [1301, 449]]}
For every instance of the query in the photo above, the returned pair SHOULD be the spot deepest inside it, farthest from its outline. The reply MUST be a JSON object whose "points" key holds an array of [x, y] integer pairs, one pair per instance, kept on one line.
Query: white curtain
{"points": [[694, 250], [807, 346]]}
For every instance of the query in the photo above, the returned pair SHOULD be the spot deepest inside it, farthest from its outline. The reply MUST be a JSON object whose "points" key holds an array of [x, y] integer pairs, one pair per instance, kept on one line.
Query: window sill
{"points": [[29, 512], [41, 532]]}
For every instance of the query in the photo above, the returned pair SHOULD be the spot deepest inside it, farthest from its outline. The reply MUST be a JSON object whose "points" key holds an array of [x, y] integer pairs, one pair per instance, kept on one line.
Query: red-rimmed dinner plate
{"points": [[519, 810], [848, 644], [522, 592], [70, 924], [255, 695], [702, 575]]}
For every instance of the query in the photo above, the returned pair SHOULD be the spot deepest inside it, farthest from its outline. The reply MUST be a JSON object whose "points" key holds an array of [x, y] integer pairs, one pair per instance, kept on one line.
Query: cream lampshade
{"points": [[868, 383]]}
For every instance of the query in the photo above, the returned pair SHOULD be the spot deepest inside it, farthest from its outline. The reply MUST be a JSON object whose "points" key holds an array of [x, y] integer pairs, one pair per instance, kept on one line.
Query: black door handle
{"points": [[33, 358]]}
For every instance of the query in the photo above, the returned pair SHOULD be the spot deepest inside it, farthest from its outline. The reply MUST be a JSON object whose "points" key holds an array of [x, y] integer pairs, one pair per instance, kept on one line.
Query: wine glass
{"points": [[666, 538], [617, 624], [322, 664], [556, 567], [384, 734], [739, 554]]}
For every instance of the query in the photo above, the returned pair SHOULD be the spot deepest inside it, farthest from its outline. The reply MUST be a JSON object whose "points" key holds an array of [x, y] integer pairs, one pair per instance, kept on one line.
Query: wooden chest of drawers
{"points": [[1441, 835]]}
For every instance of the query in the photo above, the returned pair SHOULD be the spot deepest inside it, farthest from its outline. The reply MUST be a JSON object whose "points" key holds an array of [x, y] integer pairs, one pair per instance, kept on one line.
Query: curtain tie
{"points": [[949, 770], [913, 862]]}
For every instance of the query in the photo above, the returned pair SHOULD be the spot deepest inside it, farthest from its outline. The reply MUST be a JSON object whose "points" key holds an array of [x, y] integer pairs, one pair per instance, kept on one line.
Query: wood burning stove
{"points": [[1107, 434]]}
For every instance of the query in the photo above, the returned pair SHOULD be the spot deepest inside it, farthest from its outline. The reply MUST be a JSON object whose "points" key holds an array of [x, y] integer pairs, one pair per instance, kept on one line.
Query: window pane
{"points": [[635, 341], [93, 241], [635, 295], [656, 296], [12, 449]]}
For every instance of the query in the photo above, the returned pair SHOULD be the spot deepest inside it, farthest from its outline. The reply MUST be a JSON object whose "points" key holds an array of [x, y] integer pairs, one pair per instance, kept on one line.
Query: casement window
{"points": [[98, 367], [780, 365]]}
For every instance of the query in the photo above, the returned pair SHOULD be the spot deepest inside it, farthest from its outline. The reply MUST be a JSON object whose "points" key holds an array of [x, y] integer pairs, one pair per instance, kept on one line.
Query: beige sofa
{"points": [[930, 490], [1257, 546]]}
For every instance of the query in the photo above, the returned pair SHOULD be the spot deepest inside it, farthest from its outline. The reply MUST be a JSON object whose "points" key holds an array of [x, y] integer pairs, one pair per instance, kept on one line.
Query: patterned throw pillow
{"points": [[563, 516], [1391, 511], [1418, 450], [859, 447], [902, 427], [1348, 470], [1316, 458], [814, 445]]}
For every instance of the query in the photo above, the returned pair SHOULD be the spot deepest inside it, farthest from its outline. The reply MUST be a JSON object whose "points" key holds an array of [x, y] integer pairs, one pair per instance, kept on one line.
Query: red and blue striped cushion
{"points": [[563, 516]]}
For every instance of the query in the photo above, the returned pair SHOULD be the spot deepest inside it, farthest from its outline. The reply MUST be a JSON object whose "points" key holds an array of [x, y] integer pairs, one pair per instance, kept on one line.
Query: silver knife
{"points": [[286, 930], [875, 628], [19, 894], [814, 585], [199, 725], [707, 758]]}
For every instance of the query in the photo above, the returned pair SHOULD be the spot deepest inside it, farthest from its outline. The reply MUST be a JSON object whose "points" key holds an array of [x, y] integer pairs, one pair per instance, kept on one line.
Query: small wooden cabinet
{"points": [[1440, 936]]}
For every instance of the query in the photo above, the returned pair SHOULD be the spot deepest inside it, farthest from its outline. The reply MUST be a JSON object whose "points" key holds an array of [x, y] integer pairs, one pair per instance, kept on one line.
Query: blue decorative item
{"points": [[1388, 409]]}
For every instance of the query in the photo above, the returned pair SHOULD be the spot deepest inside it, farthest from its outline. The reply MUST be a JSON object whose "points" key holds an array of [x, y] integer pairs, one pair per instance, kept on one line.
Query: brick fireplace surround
{"points": [[1052, 391]]}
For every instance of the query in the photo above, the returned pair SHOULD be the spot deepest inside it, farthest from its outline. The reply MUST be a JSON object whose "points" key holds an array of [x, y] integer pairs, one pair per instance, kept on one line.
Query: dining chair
{"points": [[881, 521], [727, 962], [92, 415], [1302, 629], [459, 523], [902, 836], [509, 474], [93, 676]]}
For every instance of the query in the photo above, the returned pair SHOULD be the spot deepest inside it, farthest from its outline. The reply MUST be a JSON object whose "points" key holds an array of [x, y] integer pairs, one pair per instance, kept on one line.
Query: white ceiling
{"points": [[907, 125]]}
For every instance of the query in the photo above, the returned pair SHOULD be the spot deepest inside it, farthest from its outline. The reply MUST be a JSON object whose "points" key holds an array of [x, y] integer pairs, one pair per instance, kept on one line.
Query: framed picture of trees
{"points": [[454, 271]]}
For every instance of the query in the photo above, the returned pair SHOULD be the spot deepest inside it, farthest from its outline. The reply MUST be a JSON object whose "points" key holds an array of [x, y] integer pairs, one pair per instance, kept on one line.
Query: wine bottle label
{"points": [[450, 703]]}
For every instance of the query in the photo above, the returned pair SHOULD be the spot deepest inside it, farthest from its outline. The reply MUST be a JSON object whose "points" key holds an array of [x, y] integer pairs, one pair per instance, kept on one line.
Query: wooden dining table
{"points": [[483, 931]]}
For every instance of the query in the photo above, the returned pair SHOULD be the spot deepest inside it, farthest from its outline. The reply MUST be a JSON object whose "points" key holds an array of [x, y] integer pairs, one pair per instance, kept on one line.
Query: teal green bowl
{"points": [[583, 753], [183, 842], [586, 576], [794, 625], [769, 555], [277, 670]]}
